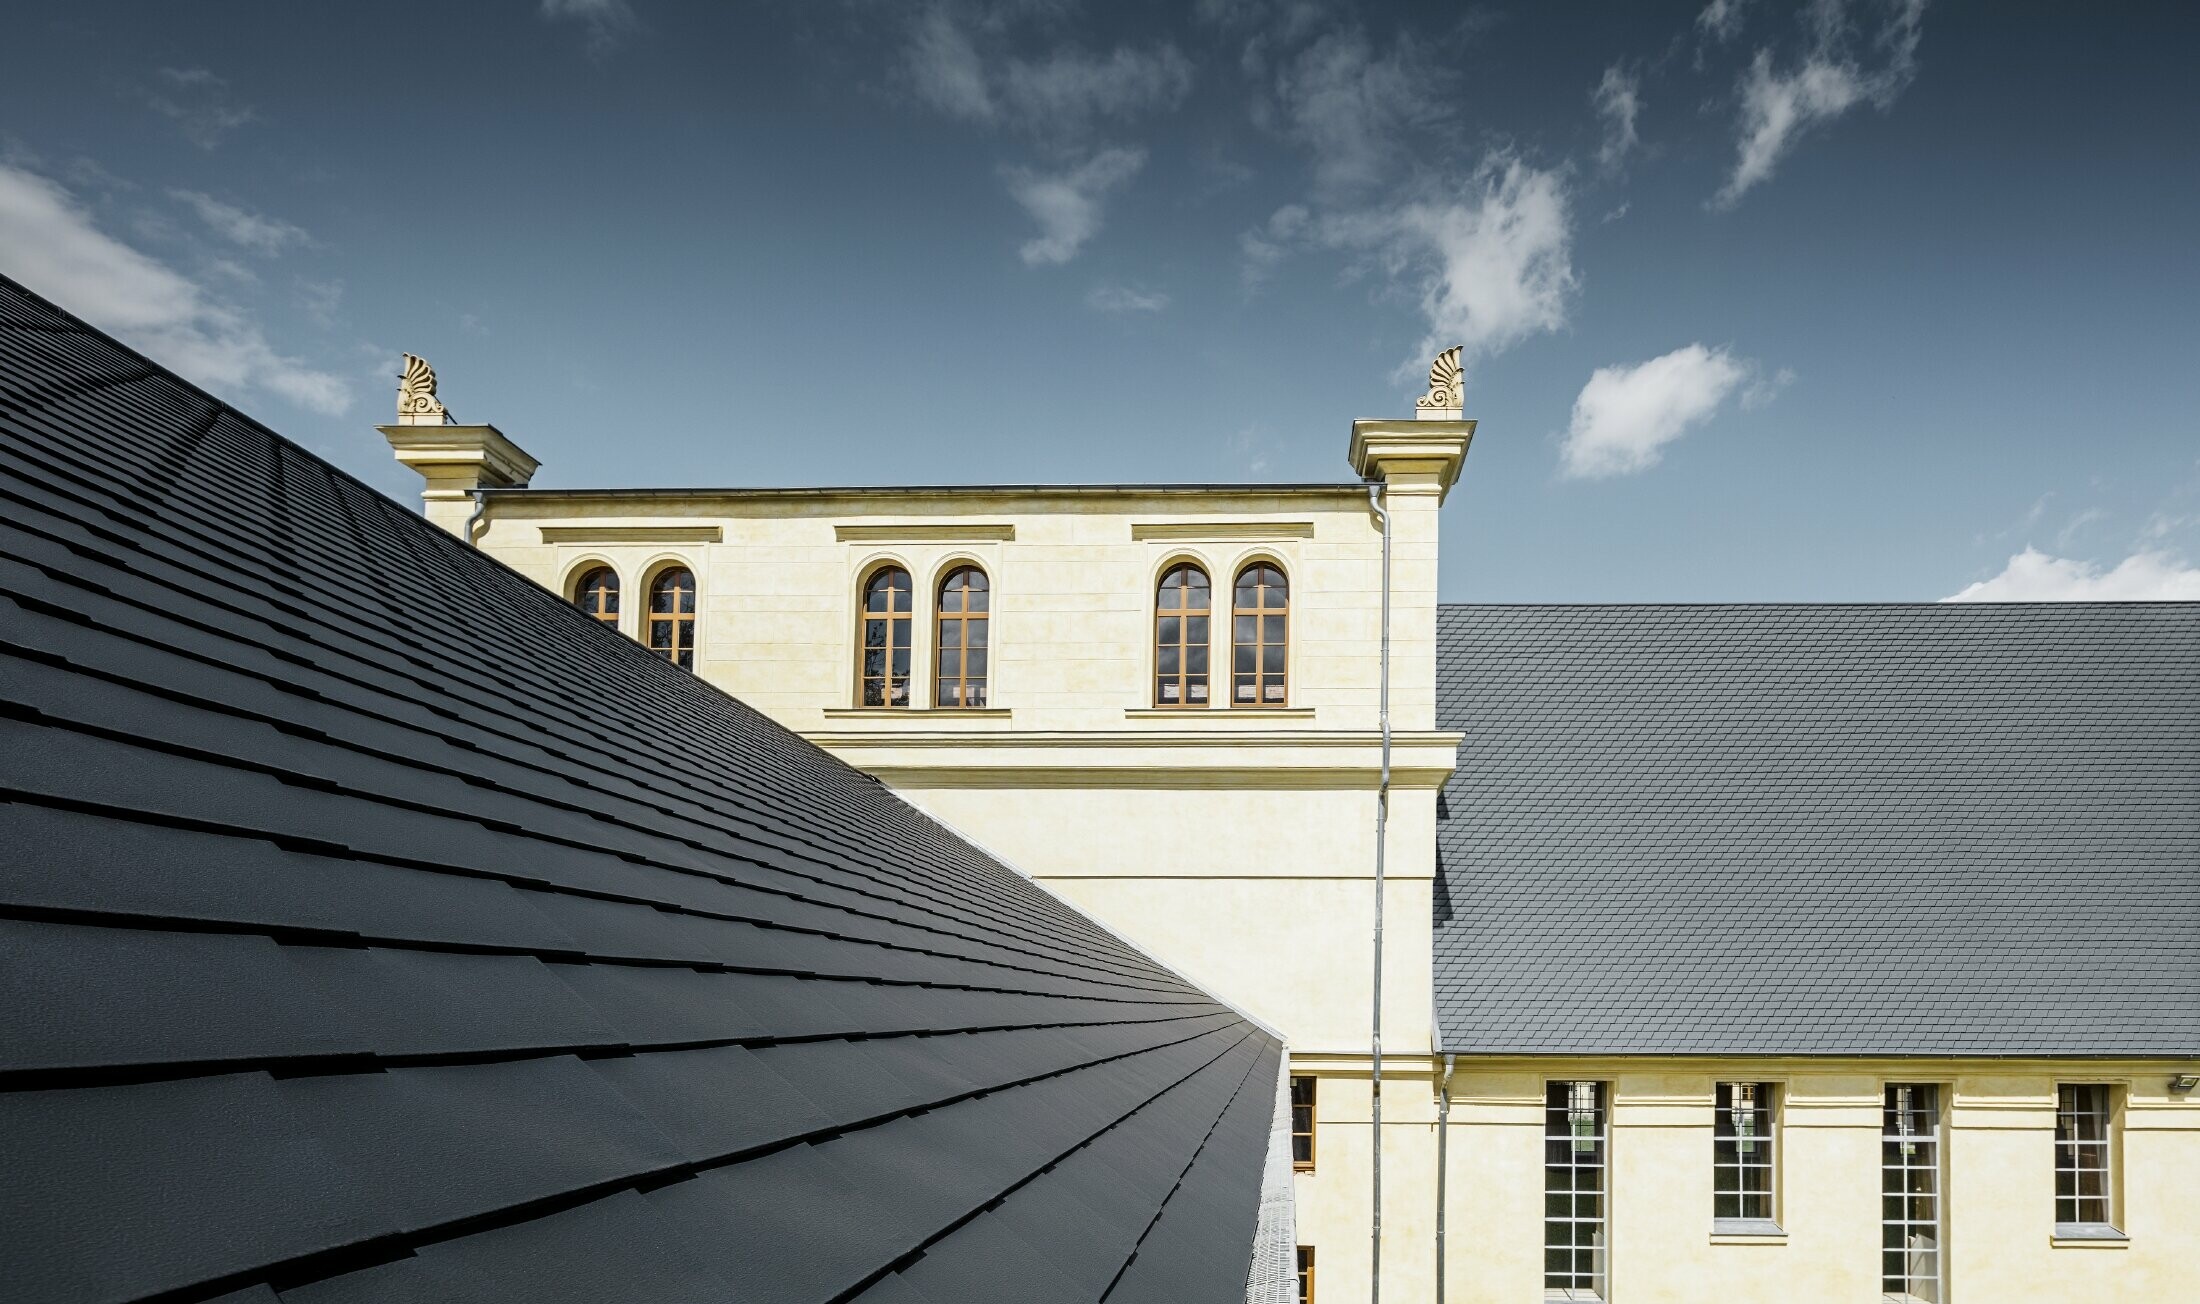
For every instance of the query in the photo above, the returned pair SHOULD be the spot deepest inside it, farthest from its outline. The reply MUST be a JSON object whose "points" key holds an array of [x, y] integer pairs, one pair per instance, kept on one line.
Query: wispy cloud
{"points": [[1353, 108], [1618, 100], [199, 103], [1067, 204], [1779, 105], [262, 234], [51, 243], [2035, 576], [605, 23], [1626, 415], [1125, 298], [945, 68], [1060, 96], [1064, 101], [1721, 20]]}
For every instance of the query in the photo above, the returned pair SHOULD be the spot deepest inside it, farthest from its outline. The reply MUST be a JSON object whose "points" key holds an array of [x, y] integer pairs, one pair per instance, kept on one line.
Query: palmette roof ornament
{"points": [[417, 404], [1446, 385]]}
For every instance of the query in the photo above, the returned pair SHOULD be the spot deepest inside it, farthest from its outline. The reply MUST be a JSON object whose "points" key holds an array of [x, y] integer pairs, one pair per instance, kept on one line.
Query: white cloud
{"points": [[1065, 93], [2033, 576], [1721, 20], [1352, 109], [607, 22], [267, 235], [1066, 205], [1779, 106], [1625, 416], [1124, 298], [1492, 261], [51, 244], [1059, 97], [200, 105], [946, 70], [1618, 98]]}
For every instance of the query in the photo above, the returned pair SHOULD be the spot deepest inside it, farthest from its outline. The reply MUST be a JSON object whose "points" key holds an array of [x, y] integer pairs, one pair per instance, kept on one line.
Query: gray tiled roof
{"points": [[374, 926], [1821, 830]]}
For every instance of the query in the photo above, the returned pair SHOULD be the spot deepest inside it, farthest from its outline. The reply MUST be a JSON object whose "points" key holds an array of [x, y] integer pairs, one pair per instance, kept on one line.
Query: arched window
{"points": [[672, 616], [964, 602], [884, 669], [1257, 636], [1182, 608], [598, 595]]}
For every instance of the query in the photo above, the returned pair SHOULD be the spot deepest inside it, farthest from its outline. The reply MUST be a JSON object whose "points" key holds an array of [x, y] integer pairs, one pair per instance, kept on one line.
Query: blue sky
{"points": [[1825, 301]]}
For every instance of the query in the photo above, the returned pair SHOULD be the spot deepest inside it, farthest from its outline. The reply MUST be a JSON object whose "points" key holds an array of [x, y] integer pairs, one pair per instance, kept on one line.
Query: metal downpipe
{"points": [[1375, 492], [1443, 1144]]}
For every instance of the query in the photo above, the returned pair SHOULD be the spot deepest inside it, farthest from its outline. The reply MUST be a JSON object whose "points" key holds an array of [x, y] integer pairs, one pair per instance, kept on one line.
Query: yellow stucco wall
{"points": [[1999, 1171]]}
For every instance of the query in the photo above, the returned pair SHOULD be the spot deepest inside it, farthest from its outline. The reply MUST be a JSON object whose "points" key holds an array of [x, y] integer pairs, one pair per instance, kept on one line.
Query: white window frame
{"points": [[1912, 1172], [1576, 1146], [2071, 1159], [1758, 1150]]}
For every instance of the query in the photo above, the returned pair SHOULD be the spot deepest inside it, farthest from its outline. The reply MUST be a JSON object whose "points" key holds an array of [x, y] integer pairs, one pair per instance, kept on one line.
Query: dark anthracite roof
{"points": [[1821, 830], [374, 926]]}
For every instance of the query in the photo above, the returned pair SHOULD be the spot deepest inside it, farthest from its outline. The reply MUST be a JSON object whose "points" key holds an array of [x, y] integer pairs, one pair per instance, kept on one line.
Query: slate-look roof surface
{"points": [[374, 926], [1821, 830]]}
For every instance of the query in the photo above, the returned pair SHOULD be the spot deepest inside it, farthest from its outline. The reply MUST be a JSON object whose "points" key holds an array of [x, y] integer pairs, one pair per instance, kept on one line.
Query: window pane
{"points": [[1195, 658], [1245, 629], [1195, 629], [1171, 631], [950, 663], [974, 632]]}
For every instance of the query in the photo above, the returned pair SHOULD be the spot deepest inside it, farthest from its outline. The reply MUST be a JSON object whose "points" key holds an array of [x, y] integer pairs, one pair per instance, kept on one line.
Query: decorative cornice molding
{"points": [[632, 534], [923, 532], [1220, 531]]}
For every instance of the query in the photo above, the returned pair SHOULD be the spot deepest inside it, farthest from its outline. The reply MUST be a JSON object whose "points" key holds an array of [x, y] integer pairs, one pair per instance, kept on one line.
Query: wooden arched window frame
{"points": [[671, 632], [597, 593], [1182, 611], [1260, 607], [882, 659], [965, 605]]}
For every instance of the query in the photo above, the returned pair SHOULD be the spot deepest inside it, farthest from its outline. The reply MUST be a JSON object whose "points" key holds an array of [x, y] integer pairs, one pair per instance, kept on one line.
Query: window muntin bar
{"points": [[1259, 614], [965, 604], [672, 616], [1302, 1124], [2084, 1157], [1183, 609], [1742, 1157], [882, 669], [598, 595], [1574, 1167], [1910, 1255]]}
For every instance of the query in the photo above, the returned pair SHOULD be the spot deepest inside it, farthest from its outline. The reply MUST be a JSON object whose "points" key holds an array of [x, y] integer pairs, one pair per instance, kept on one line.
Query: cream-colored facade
{"points": [[1238, 845]]}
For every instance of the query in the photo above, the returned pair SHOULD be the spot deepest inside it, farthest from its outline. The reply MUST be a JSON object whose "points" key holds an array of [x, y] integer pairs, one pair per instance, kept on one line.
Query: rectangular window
{"points": [[1909, 1194], [1302, 1124], [1306, 1274], [1573, 1191], [2084, 1159], [1742, 1173]]}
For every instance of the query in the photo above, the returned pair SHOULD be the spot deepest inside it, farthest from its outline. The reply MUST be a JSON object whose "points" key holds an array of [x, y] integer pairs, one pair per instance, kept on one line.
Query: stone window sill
{"points": [[929, 715], [1747, 1231], [1214, 712], [2094, 1236]]}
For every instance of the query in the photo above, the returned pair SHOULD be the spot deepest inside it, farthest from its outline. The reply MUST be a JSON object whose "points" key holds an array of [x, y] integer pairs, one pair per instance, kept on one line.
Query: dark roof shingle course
{"points": [[374, 926], [1821, 830]]}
